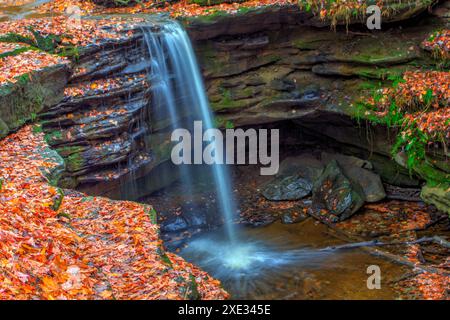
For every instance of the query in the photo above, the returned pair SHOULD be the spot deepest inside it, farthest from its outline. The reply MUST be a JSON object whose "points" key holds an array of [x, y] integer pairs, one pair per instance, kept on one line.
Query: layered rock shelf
{"points": [[262, 67]]}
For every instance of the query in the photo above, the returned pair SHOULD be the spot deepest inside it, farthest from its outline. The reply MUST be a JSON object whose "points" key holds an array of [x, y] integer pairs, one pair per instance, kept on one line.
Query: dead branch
{"points": [[340, 234], [376, 243]]}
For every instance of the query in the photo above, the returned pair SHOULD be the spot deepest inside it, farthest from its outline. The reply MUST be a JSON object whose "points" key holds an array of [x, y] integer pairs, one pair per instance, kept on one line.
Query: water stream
{"points": [[178, 90], [250, 262]]}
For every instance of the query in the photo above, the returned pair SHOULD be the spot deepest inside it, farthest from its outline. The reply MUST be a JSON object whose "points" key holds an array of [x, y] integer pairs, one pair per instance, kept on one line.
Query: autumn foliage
{"points": [[56, 246], [424, 97], [439, 44]]}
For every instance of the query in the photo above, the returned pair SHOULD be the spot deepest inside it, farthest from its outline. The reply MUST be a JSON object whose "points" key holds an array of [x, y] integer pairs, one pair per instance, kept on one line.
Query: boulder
{"points": [[355, 169], [370, 183], [174, 225], [310, 168], [438, 196], [288, 188], [306, 165], [335, 192]]}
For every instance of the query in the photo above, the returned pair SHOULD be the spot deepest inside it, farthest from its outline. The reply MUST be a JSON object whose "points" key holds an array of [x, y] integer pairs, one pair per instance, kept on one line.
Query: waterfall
{"points": [[179, 92]]}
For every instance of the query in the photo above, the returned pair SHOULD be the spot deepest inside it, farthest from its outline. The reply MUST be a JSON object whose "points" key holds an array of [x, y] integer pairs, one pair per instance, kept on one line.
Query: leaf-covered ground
{"points": [[57, 36], [182, 8], [24, 62], [78, 34], [78, 247]]}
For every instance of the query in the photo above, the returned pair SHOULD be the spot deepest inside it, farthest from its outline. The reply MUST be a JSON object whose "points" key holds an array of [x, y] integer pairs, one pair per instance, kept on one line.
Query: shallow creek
{"points": [[272, 261]]}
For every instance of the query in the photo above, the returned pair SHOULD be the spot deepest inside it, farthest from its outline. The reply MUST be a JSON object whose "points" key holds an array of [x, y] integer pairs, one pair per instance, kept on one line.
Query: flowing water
{"points": [[179, 93], [19, 9], [276, 262]]}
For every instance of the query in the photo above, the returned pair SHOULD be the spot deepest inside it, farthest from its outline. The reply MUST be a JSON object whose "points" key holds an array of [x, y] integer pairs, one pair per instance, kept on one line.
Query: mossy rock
{"points": [[438, 195], [431, 174], [54, 173], [20, 102]]}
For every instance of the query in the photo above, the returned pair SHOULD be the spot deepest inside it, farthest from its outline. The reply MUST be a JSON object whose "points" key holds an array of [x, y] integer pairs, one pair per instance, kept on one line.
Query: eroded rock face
{"points": [[99, 126], [252, 20], [103, 128], [265, 66], [360, 172], [287, 70]]}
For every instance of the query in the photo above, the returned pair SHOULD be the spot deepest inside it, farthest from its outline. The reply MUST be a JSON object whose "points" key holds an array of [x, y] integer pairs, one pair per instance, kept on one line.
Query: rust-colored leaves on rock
{"points": [[84, 247]]}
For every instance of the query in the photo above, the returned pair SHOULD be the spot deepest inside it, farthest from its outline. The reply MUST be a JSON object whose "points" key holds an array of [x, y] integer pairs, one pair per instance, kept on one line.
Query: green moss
{"points": [[194, 294], [53, 136], [20, 102], [244, 10], [438, 196], [304, 44], [226, 101], [153, 215], [87, 199], [212, 2], [410, 140], [432, 175], [67, 151], [37, 129], [58, 201], [164, 258], [15, 52], [64, 214], [75, 162], [212, 17]]}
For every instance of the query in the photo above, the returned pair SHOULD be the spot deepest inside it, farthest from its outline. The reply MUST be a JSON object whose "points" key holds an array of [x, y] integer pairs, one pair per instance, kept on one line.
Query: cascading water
{"points": [[178, 90], [179, 99]]}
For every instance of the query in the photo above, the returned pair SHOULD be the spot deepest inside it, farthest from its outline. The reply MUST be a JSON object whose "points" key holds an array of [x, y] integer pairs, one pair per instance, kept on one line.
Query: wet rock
{"points": [[293, 217], [336, 193], [256, 43], [405, 194], [195, 218], [288, 188], [356, 170], [282, 85], [346, 161], [259, 219], [176, 224]]}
